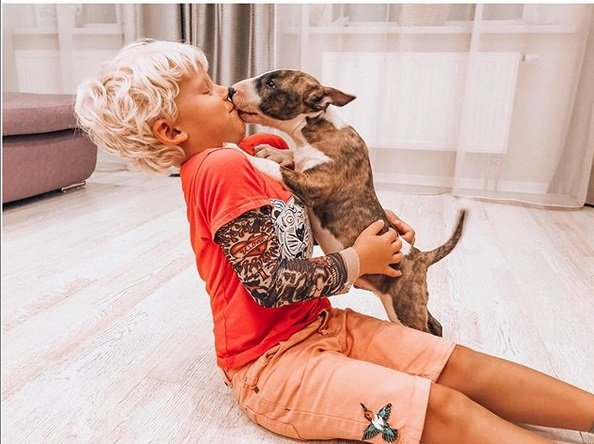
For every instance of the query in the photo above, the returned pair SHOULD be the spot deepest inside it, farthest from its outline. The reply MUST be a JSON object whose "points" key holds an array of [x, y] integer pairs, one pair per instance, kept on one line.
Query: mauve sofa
{"points": [[42, 148]]}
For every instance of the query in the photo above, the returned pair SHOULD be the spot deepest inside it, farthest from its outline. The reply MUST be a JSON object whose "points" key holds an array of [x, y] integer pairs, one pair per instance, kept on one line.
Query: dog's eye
{"points": [[271, 83]]}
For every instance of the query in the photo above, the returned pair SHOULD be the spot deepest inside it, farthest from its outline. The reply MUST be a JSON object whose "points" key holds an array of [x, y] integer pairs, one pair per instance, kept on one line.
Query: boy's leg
{"points": [[517, 393], [510, 390], [453, 418], [309, 389]]}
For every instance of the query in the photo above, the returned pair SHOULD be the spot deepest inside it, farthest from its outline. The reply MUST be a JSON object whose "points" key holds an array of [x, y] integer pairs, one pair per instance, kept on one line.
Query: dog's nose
{"points": [[230, 93]]}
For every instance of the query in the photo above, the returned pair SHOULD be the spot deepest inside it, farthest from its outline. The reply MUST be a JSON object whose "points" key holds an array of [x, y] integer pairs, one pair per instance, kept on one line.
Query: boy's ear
{"points": [[167, 134]]}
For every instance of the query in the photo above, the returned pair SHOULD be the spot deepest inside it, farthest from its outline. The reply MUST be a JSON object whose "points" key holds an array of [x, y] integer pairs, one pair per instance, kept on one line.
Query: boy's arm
{"points": [[251, 246]]}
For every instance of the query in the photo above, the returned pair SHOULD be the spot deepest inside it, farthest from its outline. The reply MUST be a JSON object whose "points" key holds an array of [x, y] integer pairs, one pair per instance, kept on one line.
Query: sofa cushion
{"points": [[28, 113], [38, 163]]}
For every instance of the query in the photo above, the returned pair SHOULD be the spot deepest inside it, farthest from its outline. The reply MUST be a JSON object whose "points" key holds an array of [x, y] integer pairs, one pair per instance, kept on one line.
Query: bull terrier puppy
{"points": [[332, 175]]}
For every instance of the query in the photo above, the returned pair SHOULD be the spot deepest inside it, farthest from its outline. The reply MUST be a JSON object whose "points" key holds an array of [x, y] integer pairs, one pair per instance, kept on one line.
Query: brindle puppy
{"points": [[333, 177]]}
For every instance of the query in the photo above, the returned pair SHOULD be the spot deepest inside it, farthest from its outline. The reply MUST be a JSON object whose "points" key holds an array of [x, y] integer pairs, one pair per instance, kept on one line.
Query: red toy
{"points": [[250, 142]]}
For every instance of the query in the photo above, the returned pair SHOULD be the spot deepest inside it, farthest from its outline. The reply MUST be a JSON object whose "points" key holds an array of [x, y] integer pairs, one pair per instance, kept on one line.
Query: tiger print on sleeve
{"points": [[251, 245]]}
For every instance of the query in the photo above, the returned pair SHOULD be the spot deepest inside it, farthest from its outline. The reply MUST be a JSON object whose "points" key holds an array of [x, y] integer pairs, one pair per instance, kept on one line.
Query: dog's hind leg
{"points": [[385, 299], [388, 306]]}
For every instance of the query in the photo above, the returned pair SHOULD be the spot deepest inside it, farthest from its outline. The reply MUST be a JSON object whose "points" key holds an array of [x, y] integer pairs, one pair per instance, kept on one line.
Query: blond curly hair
{"points": [[118, 108]]}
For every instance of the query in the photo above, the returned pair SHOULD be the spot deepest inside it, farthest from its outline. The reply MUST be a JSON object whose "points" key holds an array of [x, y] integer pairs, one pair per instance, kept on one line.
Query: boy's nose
{"points": [[230, 93]]}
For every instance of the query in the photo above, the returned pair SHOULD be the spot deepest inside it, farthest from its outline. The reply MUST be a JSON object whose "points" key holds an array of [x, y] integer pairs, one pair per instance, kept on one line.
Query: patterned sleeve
{"points": [[251, 246]]}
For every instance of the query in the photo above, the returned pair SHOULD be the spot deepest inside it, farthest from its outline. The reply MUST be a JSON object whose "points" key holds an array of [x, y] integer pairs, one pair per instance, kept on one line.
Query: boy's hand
{"points": [[377, 251], [404, 229], [282, 157]]}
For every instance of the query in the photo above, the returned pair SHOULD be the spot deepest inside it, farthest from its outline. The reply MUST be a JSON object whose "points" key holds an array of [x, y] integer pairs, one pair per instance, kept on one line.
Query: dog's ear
{"points": [[321, 98], [338, 97]]}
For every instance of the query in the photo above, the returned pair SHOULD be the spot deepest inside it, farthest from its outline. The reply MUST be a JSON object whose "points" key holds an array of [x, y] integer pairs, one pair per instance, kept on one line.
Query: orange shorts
{"points": [[345, 376]]}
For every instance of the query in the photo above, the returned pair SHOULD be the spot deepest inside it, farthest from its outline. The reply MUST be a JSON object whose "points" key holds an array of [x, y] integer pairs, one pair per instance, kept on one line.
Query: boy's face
{"points": [[205, 114]]}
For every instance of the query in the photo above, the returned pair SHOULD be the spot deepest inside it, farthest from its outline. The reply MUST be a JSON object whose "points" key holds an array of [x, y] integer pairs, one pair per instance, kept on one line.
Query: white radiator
{"points": [[40, 71], [431, 101]]}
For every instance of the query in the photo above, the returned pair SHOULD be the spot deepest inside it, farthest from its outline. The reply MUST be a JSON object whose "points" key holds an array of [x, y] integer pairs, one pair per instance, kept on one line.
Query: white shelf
{"points": [[454, 28]]}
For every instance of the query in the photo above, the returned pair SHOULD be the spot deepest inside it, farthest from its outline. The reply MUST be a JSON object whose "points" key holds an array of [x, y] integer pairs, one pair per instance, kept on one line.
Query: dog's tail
{"points": [[442, 251]]}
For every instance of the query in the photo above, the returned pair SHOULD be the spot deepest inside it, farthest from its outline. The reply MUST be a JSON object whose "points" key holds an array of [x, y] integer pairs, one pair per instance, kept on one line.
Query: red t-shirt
{"points": [[219, 185]]}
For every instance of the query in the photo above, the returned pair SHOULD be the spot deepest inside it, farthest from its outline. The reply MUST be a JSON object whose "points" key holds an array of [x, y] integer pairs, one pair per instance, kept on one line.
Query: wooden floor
{"points": [[106, 330]]}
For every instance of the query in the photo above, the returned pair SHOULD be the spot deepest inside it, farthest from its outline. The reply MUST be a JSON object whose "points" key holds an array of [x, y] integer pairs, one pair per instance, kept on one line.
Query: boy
{"points": [[297, 366]]}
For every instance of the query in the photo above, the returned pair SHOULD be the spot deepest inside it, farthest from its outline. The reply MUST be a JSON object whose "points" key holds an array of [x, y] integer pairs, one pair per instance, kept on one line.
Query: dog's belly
{"points": [[328, 243]]}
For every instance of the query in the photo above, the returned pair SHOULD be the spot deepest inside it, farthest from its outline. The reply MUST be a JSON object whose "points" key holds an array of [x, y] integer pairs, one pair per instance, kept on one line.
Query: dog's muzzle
{"points": [[230, 93]]}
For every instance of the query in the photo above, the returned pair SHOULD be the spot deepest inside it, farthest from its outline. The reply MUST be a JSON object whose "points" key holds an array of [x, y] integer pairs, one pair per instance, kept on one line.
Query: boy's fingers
{"points": [[375, 227], [391, 216], [397, 258], [391, 234], [405, 230], [391, 272], [408, 236]]}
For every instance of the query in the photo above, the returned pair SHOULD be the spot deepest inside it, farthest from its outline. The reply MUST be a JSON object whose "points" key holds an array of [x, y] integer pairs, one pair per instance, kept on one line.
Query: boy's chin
{"points": [[238, 135]]}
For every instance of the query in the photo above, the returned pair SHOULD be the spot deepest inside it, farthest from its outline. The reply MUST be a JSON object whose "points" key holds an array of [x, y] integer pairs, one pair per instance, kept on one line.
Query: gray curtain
{"points": [[238, 39], [158, 21]]}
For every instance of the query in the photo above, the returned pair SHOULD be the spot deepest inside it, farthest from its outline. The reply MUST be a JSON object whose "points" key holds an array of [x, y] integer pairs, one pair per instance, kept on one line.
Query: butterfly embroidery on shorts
{"points": [[379, 424]]}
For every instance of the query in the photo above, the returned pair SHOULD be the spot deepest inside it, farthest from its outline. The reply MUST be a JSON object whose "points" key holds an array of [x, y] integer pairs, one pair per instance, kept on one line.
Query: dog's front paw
{"points": [[266, 166], [282, 157]]}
